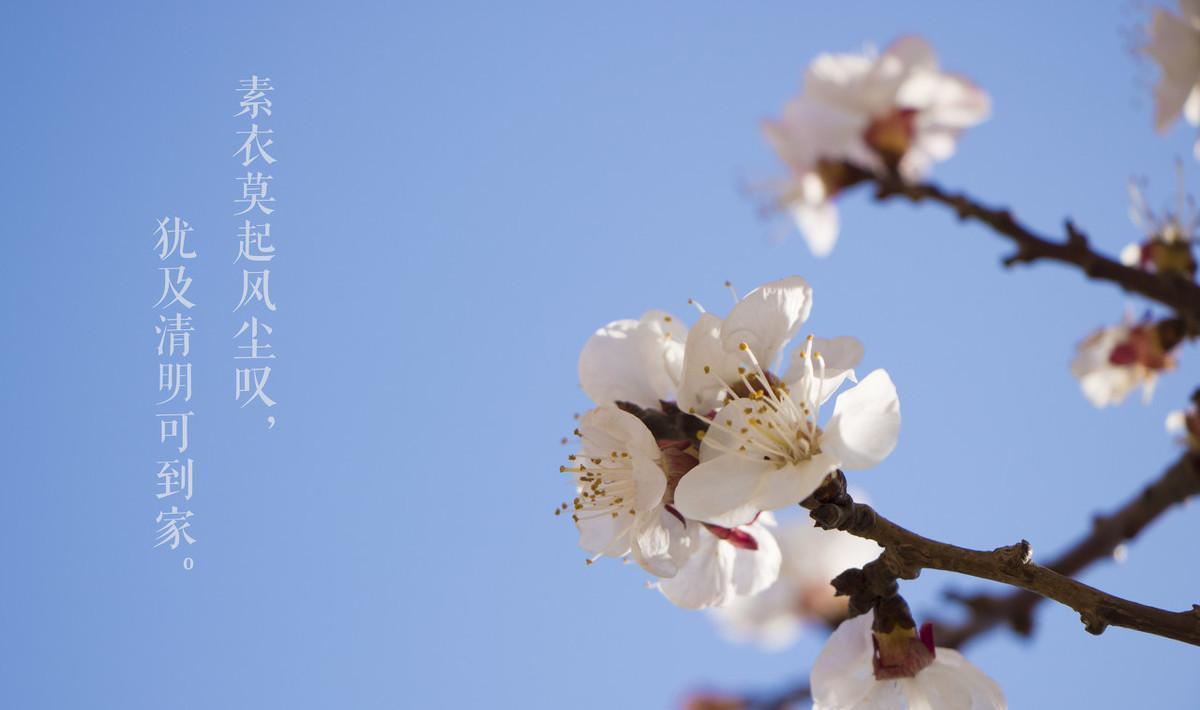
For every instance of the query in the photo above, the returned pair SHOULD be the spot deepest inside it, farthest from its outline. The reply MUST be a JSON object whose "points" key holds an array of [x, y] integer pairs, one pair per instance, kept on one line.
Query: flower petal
{"points": [[606, 429], [843, 675], [664, 544], [767, 318], [651, 483], [756, 570], [818, 223], [914, 52], [952, 683], [841, 355], [633, 361], [787, 486], [605, 535], [865, 423], [1173, 44], [721, 490], [700, 390], [706, 578]]}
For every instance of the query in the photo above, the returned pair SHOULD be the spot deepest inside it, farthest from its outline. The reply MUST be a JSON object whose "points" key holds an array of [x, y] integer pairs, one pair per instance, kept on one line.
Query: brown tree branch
{"points": [[1175, 485], [907, 553], [1178, 483], [1175, 291]]}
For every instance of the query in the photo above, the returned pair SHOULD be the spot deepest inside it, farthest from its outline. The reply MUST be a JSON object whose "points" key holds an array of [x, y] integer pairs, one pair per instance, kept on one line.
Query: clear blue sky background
{"points": [[465, 192]]}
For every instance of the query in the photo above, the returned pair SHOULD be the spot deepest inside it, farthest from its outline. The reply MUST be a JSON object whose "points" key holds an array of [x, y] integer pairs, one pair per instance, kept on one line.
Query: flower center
{"points": [[901, 652], [606, 486], [891, 135], [763, 420]]}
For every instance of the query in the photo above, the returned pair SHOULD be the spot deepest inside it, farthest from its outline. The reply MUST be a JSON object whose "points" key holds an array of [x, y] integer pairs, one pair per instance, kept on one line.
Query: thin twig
{"points": [[1173, 290], [1178, 483]]}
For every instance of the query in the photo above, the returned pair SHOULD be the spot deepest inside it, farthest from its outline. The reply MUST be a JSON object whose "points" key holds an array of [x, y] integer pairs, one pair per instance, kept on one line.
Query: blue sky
{"points": [[465, 192]]}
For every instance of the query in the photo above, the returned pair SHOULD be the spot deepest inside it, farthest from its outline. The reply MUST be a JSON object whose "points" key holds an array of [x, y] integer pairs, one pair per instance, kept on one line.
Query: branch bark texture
{"points": [[907, 553]]}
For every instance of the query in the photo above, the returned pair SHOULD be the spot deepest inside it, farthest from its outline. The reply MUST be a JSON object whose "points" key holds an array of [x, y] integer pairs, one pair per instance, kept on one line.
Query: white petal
{"points": [[865, 423], [914, 52], [756, 570], [633, 361], [605, 535], [1176, 422], [856, 84], [1131, 255], [944, 100], [606, 429], [952, 683], [1174, 45], [706, 579], [787, 486], [841, 355], [664, 544], [651, 482], [1108, 386], [700, 391], [767, 318], [843, 674], [818, 223], [721, 490], [810, 130], [884, 695], [1191, 108]]}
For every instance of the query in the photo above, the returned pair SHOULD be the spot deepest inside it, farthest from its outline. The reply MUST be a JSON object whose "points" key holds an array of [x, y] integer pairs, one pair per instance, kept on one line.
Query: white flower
{"points": [[728, 563], [811, 558], [910, 112], [812, 139], [1175, 46], [620, 485], [893, 112], [764, 449], [638, 361], [1114, 361], [844, 677]]}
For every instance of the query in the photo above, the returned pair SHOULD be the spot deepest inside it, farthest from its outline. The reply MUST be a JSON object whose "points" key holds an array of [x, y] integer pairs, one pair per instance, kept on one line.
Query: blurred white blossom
{"points": [[890, 112], [1115, 360], [1175, 45], [852, 674], [803, 594], [728, 564], [1167, 247]]}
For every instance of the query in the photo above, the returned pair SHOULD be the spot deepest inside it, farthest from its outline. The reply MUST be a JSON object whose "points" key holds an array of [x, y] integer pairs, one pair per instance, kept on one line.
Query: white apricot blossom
{"points": [[1115, 360], [812, 139], [909, 111], [1175, 45], [727, 564], [638, 361], [764, 448], [895, 111], [849, 675], [620, 484], [803, 594]]}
